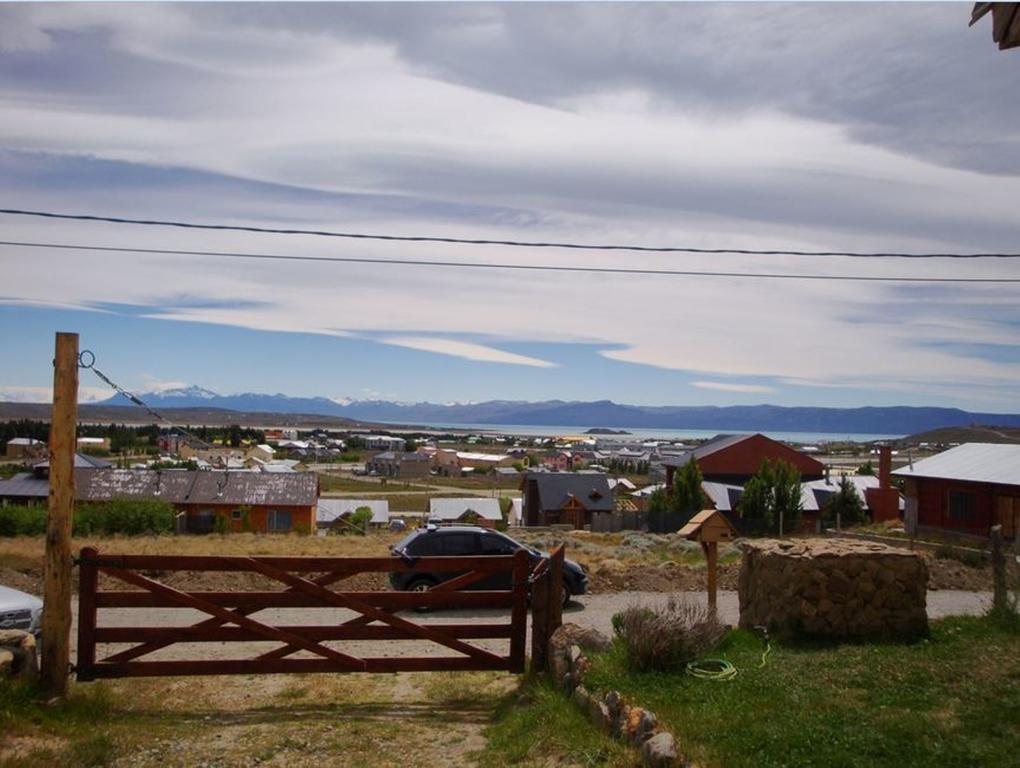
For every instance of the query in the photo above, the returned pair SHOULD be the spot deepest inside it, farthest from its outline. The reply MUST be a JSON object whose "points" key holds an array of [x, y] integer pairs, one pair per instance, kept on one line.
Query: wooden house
{"points": [[565, 499], [965, 490], [735, 459]]}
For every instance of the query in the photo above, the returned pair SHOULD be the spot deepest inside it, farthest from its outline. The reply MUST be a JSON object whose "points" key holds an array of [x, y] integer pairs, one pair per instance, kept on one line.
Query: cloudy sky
{"points": [[765, 126]]}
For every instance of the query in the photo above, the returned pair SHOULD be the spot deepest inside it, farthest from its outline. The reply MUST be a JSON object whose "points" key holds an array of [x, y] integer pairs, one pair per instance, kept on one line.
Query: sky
{"points": [[807, 126]]}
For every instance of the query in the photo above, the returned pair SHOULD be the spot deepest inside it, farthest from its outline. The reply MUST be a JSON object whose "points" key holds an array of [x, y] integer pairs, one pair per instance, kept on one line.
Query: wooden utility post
{"points": [[56, 619]]}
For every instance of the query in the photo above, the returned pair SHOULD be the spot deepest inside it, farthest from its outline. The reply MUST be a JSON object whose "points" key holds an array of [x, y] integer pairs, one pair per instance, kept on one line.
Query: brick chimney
{"points": [[884, 501], [884, 467]]}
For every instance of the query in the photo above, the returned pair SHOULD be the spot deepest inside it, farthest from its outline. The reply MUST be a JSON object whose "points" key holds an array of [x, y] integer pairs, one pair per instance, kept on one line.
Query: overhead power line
{"points": [[511, 243], [506, 266]]}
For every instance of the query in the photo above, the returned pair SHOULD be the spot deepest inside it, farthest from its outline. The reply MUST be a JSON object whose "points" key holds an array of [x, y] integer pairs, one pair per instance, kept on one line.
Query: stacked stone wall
{"points": [[833, 587]]}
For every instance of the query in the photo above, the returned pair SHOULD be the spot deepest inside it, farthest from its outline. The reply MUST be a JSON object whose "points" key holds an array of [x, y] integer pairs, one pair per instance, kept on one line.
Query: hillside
{"points": [[196, 405], [211, 417], [971, 434]]}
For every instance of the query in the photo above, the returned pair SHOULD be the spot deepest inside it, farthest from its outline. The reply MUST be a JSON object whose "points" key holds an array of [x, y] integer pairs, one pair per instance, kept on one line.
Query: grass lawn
{"points": [[952, 699], [333, 483], [538, 726]]}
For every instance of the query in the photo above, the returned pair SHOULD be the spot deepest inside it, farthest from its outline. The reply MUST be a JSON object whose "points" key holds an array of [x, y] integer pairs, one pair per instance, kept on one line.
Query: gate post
{"points": [[519, 612], [88, 584], [540, 619], [555, 591]]}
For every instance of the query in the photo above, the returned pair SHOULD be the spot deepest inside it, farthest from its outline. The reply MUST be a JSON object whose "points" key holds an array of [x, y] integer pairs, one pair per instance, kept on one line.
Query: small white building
{"points": [[485, 511], [329, 511], [261, 452]]}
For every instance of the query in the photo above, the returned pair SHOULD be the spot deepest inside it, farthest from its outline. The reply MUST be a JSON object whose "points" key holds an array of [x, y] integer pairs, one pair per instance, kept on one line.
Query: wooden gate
{"points": [[304, 583]]}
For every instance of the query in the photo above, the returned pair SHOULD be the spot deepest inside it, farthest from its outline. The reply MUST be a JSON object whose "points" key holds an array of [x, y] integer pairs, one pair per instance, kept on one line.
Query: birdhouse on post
{"points": [[709, 527]]}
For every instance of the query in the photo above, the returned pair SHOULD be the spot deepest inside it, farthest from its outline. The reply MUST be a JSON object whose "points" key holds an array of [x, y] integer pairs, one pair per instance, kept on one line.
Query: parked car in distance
{"points": [[470, 541], [20, 610]]}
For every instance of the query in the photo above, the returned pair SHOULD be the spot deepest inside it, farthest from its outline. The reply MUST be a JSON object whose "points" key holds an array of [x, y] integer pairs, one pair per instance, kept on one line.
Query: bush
{"points": [[669, 638], [220, 524], [23, 521], [972, 558], [124, 516], [119, 516]]}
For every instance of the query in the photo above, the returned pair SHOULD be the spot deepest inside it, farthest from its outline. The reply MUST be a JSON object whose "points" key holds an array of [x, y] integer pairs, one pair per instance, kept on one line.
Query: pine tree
{"points": [[772, 497], [847, 504]]}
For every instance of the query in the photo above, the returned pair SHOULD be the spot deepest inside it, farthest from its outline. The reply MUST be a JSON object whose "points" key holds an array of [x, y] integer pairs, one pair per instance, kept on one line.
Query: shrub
{"points": [[23, 521], [220, 524], [125, 516], [972, 558], [667, 638]]}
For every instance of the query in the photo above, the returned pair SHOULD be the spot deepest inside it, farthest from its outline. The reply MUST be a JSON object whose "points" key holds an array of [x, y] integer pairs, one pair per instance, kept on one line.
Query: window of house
{"points": [[279, 520], [961, 506], [236, 514]]}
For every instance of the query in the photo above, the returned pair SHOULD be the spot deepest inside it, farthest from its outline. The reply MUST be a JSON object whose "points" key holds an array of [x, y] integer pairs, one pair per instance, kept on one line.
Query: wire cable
{"points": [[87, 361], [520, 267], [509, 243]]}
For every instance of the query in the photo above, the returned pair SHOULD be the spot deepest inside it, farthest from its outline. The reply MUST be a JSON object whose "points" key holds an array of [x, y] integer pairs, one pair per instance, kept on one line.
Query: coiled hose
{"points": [[721, 670]]}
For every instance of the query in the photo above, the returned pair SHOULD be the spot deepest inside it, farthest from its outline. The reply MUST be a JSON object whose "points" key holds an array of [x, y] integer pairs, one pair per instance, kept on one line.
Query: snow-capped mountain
{"points": [[600, 413]]}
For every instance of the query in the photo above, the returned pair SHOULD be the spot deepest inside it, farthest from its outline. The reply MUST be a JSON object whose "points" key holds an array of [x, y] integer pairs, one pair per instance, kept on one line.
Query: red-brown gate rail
{"points": [[231, 615]]}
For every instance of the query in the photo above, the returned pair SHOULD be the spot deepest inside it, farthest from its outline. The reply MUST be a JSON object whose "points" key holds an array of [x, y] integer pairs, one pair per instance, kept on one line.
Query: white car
{"points": [[19, 610]]}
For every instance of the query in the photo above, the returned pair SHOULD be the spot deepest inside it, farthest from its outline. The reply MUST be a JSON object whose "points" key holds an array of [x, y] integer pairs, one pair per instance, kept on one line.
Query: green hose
{"points": [[719, 670]]}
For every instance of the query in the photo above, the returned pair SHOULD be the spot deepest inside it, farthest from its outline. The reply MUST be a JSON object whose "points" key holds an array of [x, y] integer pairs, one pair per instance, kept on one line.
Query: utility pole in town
{"points": [[56, 619]]}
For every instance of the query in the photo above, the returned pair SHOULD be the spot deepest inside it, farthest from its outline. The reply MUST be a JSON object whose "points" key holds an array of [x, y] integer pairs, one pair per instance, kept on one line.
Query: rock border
{"points": [[608, 712], [18, 657]]}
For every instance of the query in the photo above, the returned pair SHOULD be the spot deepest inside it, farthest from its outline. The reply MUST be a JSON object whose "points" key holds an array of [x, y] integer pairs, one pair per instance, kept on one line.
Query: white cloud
{"points": [[151, 383], [409, 152], [466, 350], [724, 386], [23, 394]]}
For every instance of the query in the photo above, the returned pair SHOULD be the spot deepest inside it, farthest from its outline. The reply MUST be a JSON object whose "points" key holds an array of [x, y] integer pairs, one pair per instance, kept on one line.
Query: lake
{"points": [[804, 438]]}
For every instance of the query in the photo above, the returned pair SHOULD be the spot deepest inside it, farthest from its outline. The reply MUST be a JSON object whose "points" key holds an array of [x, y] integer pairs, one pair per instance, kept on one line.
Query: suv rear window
{"points": [[455, 543], [494, 544]]}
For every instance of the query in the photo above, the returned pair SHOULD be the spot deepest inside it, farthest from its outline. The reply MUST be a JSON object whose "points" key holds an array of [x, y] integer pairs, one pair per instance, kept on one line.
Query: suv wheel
{"points": [[421, 585], [566, 596]]}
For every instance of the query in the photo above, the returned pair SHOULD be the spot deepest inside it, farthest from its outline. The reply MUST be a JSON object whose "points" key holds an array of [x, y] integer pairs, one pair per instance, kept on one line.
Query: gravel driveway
{"points": [[595, 611]]}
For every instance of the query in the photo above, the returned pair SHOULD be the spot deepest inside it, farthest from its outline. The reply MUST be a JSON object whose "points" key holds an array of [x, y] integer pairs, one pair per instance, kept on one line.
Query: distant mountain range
{"points": [[890, 420]]}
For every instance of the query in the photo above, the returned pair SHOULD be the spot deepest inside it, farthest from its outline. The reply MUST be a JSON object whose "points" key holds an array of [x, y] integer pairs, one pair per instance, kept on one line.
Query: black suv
{"points": [[469, 540]]}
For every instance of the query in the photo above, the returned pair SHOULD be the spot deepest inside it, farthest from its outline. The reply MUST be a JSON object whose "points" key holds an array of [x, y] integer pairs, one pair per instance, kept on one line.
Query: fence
{"points": [[230, 613]]}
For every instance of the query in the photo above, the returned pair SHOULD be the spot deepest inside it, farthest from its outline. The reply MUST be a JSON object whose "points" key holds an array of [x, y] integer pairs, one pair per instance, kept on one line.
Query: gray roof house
{"points": [[456, 510], [331, 510]]}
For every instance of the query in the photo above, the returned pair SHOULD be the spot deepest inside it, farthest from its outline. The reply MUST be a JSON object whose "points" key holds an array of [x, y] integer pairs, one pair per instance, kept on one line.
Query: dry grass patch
{"points": [[21, 558], [284, 720]]}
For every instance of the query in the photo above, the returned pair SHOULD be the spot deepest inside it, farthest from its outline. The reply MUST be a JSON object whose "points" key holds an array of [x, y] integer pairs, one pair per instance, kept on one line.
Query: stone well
{"points": [[834, 587]]}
